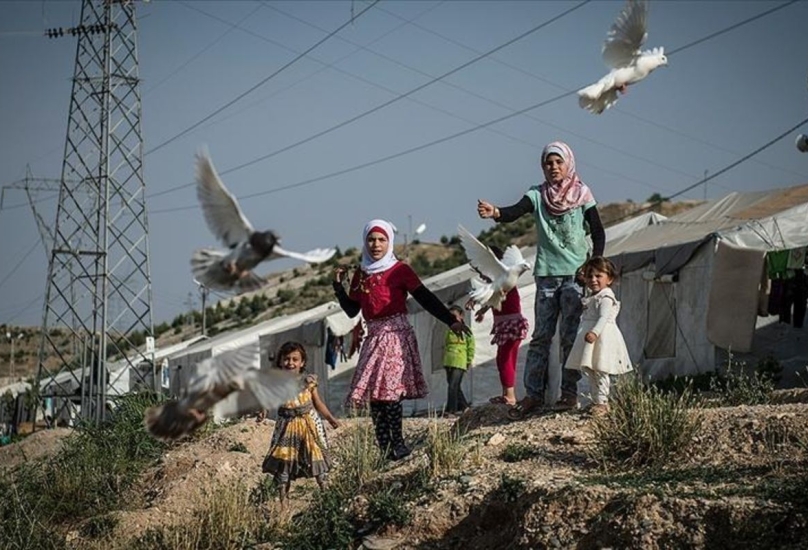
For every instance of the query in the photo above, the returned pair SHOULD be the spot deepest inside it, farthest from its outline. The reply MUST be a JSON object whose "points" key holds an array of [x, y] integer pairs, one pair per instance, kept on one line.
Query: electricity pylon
{"points": [[98, 290]]}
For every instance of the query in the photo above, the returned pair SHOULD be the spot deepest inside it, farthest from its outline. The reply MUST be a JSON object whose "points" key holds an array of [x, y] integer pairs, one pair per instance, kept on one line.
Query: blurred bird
{"points": [[501, 275], [234, 371], [230, 270], [621, 51]]}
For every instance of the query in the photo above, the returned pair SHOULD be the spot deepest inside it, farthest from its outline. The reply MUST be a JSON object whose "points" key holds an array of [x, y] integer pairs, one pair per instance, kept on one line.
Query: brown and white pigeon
{"points": [[233, 375], [231, 270], [621, 52]]}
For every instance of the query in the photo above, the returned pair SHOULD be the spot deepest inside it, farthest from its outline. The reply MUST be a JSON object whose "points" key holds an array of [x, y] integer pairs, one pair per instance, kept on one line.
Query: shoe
{"points": [[598, 409], [399, 452], [566, 403], [524, 408]]}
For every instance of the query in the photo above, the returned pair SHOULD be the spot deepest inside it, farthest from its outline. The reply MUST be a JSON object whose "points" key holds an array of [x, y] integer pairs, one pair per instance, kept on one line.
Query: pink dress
{"points": [[389, 365]]}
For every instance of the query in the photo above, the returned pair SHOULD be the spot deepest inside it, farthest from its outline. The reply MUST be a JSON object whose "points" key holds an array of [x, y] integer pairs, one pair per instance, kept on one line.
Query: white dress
{"points": [[608, 354]]}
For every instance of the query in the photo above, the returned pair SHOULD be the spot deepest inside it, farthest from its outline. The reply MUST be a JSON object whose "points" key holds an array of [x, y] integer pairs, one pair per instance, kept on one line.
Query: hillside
{"points": [[740, 482], [307, 286]]}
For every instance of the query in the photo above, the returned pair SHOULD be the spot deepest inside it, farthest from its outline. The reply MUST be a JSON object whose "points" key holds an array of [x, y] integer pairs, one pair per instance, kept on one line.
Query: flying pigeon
{"points": [[622, 53], [233, 374], [229, 270], [501, 275]]}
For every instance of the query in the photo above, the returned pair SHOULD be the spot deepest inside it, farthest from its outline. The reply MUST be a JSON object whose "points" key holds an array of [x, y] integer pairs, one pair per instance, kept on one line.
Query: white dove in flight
{"points": [[229, 270], [622, 53], [501, 275], [231, 372]]}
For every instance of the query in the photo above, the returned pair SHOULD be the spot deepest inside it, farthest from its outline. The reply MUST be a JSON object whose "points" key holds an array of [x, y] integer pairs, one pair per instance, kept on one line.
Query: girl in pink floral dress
{"points": [[389, 366]]}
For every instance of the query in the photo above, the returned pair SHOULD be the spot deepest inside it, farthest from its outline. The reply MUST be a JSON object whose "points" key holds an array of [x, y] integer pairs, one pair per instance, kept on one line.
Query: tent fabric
{"points": [[733, 303]]}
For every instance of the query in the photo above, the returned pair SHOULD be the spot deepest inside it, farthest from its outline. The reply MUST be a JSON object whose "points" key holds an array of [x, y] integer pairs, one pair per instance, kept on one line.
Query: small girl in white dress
{"points": [[599, 349]]}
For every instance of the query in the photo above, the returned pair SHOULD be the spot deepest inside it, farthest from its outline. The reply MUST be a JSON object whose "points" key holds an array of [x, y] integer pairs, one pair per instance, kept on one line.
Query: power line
{"points": [[261, 82], [435, 142], [730, 28], [19, 263], [391, 101], [718, 173]]}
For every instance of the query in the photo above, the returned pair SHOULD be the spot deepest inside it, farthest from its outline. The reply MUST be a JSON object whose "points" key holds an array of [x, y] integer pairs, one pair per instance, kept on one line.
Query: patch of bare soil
{"points": [[37, 445]]}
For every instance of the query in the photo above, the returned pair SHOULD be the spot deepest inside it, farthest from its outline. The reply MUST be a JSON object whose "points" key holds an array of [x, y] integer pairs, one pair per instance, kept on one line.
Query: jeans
{"points": [[554, 296], [455, 400]]}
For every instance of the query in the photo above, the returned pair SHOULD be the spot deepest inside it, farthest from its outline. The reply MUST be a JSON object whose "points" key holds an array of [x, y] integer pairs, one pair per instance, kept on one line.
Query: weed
{"points": [[266, 490], [98, 527], [386, 507], [511, 488], [517, 452], [737, 387], [645, 426], [444, 448], [238, 447]]}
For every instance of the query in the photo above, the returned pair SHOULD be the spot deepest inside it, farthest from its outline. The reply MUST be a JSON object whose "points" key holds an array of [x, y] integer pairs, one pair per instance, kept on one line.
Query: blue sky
{"points": [[714, 103]]}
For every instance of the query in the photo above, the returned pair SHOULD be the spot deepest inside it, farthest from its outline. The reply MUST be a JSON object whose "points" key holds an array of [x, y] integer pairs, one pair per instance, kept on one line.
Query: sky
{"points": [[411, 113]]}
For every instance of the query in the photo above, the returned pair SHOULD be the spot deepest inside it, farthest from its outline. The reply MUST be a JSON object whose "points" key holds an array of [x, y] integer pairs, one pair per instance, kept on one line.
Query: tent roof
{"points": [[768, 220]]}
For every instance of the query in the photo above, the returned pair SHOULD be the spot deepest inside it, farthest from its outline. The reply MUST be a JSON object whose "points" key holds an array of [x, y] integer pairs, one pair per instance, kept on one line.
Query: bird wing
{"points": [[481, 291], [224, 373], [315, 256], [480, 256], [512, 256], [627, 35], [222, 213]]}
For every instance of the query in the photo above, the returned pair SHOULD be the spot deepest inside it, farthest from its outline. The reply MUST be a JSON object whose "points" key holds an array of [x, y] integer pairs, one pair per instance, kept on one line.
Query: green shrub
{"points": [[645, 425], [386, 507], [517, 452], [735, 386]]}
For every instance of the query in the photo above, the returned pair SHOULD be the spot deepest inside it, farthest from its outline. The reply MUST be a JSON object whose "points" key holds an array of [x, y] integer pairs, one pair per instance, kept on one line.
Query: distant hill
{"points": [[305, 287]]}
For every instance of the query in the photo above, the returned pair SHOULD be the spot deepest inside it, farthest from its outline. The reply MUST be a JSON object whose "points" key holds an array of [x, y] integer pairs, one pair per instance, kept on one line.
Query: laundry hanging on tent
{"points": [[357, 334]]}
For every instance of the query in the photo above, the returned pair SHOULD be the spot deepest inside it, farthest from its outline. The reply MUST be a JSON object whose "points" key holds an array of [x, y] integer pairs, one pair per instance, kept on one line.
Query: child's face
{"points": [[597, 280], [293, 361], [555, 168], [377, 245]]}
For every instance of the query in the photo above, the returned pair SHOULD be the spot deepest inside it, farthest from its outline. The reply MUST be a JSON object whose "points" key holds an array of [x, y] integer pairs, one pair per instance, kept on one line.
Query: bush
{"points": [[735, 386], [517, 452], [645, 425]]}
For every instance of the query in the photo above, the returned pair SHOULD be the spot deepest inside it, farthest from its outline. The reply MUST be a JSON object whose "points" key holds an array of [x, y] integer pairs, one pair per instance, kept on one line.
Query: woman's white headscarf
{"points": [[389, 259]]}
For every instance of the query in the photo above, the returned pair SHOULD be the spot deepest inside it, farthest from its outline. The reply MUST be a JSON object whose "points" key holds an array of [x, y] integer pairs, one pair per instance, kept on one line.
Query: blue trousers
{"points": [[555, 296]]}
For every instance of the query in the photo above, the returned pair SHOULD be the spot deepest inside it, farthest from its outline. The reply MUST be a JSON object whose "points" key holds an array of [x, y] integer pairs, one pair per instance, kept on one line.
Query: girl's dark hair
{"points": [[288, 348], [599, 263]]}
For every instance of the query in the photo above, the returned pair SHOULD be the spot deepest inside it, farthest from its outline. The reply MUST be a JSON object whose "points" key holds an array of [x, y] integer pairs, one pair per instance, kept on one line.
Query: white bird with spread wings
{"points": [[622, 53], [232, 270], [501, 275], [233, 376]]}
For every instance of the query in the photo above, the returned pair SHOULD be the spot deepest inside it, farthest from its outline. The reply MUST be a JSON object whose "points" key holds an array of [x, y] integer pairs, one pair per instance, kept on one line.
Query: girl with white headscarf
{"points": [[565, 210], [389, 366]]}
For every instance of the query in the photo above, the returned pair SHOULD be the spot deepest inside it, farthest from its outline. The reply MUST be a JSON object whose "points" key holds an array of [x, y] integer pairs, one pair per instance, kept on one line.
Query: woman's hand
{"points": [[460, 328], [591, 337], [486, 210], [334, 423], [339, 274]]}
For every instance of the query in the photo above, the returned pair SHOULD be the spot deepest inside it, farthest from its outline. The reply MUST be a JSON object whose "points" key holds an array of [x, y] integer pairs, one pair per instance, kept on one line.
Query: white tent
{"points": [[691, 285]]}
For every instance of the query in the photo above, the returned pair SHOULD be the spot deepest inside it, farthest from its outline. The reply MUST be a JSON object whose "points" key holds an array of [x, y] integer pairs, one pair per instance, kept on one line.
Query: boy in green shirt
{"points": [[457, 358]]}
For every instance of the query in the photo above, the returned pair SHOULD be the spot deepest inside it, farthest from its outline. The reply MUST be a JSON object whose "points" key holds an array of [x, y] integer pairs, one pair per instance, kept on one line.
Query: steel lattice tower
{"points": [[98, 290]]}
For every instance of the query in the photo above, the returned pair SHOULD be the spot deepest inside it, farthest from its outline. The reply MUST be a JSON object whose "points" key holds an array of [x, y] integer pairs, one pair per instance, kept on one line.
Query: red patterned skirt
{"points": [[512, 326], [389, 366]]}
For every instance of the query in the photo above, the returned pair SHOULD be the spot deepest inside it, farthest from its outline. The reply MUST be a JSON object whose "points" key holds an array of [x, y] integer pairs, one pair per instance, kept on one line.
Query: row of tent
{"points": [[690, 289]]}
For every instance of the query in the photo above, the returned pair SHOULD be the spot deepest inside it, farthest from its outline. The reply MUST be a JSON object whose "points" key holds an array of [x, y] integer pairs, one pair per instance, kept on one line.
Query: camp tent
{"points": [[692, 285]]}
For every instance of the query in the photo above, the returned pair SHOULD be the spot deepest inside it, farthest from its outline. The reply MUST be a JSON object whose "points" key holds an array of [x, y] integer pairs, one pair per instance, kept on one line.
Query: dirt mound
{"points": [[37, 445]]}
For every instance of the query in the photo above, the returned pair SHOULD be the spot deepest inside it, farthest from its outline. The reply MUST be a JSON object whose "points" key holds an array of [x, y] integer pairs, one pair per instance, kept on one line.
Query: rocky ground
{"points": [[743, 483]]}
